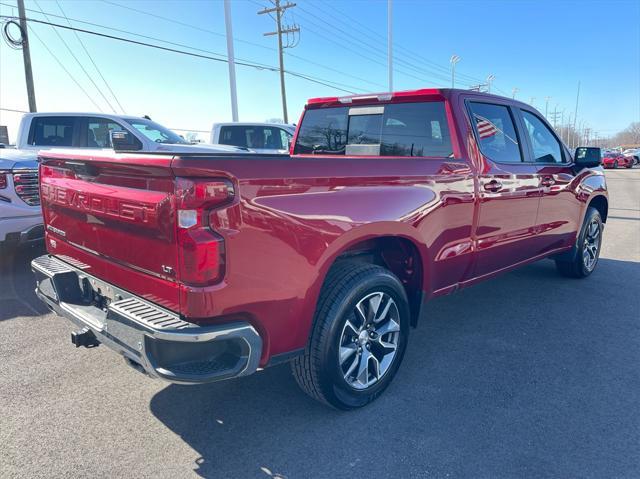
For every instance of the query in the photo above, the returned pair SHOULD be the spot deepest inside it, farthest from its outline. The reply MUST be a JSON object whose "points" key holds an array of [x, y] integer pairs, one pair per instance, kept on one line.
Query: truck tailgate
{"points": [[114, 214]]}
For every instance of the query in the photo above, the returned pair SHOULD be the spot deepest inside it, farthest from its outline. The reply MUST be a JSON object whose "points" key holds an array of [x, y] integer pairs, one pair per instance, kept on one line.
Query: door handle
{"points": [[547, 181], [493, 186]]}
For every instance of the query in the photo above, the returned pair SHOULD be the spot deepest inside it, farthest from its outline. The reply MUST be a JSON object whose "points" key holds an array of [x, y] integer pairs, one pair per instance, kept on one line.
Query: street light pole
{"points": [[390, 43], [514, 91], [454, 59], [231, 62]]}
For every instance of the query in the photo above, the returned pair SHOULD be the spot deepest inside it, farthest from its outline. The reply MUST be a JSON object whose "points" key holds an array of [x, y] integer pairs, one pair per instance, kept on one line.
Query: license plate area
{"points": [[97, 293]]}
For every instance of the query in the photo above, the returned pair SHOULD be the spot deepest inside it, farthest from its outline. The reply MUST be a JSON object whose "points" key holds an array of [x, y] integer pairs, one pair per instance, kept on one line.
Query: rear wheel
{"points": [[630, 163], [615, 165], [587, 248], [359, 336]]}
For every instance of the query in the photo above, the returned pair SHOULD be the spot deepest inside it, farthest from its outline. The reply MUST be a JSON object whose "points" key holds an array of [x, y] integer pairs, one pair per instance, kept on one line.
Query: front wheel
{"points": [[587, 248], [630, 163], [359, 336], [615, 165]]}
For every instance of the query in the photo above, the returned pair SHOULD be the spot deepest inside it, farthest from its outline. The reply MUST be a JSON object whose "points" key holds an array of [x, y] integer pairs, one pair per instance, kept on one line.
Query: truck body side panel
{"points": [[295, 216]]}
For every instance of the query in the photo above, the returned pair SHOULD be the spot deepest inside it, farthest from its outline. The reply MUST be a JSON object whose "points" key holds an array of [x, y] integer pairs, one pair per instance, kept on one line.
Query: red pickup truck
{"points": [[201, 267]]}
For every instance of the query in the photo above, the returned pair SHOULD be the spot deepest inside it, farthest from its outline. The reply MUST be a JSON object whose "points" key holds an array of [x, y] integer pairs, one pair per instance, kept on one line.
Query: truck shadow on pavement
{"points": [[528, 375], [17, 283]]}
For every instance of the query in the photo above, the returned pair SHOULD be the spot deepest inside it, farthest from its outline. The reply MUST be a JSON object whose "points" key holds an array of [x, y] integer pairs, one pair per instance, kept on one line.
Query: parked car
{"points": [[40, 131], [198, 268], [20, 214], [614, 159], [634, 153], [259, 137]]}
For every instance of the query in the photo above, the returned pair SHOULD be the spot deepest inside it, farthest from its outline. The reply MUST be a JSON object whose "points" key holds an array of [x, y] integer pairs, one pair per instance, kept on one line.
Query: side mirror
{"points": [[587, 157], [124, 141]]}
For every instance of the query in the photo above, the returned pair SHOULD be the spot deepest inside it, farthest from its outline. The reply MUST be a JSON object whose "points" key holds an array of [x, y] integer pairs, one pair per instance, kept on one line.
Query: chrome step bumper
{"points": [[151, 338]]}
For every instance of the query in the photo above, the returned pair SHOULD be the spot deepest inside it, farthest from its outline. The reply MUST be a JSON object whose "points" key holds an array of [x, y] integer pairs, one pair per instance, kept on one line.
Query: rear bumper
{"points": [[151, 338]]}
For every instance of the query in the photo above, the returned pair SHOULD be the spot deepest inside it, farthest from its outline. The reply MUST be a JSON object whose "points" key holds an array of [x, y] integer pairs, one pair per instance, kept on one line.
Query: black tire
{"points": [[615, 165], [578, 266], [319, 371], [630, 164]]}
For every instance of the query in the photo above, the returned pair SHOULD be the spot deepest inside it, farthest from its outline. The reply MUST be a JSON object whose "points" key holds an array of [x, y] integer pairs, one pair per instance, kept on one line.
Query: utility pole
{"points": [[390, 43], [514, 91], [454, 59], [231, 63], [26, 56], [531, 100], [554, 117], [490, 79], [575, 113], [546, 107], [280, 9]]}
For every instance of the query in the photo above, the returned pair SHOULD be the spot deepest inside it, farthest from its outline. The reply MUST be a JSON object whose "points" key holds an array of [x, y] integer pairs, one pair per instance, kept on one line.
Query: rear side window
{"points": [[323, 131], [52, 131], [399, 129], [259, 137], [495, 132], [546, 147]]}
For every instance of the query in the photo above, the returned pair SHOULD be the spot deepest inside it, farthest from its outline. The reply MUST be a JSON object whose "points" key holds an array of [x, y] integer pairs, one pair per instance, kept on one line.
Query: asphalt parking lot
{"points": [[528, 375]]}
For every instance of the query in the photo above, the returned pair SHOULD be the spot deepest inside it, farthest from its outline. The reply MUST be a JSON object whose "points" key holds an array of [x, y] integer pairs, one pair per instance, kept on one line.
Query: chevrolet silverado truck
{"points": [[198, 268]]}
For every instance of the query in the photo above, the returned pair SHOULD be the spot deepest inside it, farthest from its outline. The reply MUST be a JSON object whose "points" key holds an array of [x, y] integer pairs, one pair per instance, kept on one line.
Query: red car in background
{"points": [[613, 159]]}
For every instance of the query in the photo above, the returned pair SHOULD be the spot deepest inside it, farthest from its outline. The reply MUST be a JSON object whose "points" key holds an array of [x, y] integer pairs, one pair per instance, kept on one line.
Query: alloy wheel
{"points": [[369, 340], [591, 245]]}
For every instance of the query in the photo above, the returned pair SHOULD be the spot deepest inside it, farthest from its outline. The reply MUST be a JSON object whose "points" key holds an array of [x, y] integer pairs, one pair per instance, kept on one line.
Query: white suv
{"points": [[20, 213]]}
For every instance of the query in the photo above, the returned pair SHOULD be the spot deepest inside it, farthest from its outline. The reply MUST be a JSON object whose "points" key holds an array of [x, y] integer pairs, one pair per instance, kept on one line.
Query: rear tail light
{"points": [[3, 180], [201, 250]]}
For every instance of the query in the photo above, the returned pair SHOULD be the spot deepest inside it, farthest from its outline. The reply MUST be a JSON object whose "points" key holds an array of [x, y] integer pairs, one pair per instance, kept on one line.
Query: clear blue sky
{"points": [[541, 47]]}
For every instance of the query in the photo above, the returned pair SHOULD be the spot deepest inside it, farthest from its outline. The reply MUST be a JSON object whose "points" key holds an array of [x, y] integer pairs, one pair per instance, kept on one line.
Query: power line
{"points": [[378, 37], [77, 61], [280, 11], [63, 67], [248, 64], [14, 111], [359, 53], [365, 45], [199, 49], [212, 32], [91, 58]]}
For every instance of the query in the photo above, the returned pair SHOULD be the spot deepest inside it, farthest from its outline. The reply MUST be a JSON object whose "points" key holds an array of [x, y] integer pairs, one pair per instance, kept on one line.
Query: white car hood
{"points": [[11, 159]]}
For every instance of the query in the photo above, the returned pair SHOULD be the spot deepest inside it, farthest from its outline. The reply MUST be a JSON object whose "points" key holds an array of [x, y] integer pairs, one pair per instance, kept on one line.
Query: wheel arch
{"points": [[400, 252], [601, 203]]}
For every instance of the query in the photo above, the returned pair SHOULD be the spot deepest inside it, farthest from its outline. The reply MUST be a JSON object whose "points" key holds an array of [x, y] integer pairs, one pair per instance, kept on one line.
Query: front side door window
{"points": [[97, 132], [544, 144]]}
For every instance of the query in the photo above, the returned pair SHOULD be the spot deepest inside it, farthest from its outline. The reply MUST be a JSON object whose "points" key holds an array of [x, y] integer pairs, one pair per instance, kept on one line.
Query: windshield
{"points": [[156, 132]]}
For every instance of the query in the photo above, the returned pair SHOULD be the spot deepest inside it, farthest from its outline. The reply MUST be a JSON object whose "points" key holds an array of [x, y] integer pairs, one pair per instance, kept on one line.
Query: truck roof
{"points": [[83, 113], [255, 123], [401, 95]]}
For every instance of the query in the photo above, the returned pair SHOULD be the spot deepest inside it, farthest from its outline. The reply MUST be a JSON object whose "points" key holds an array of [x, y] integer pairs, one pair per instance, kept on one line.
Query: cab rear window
{"points": [[398, 129]]}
